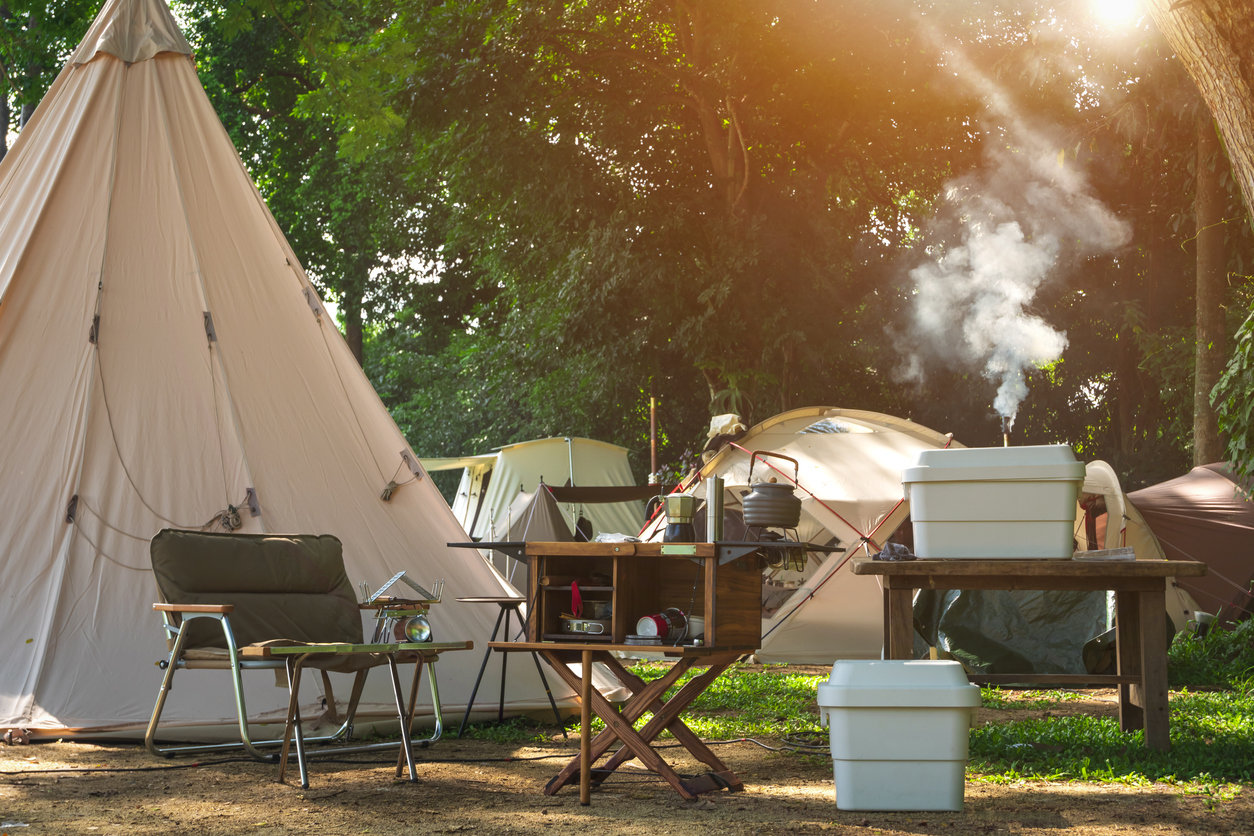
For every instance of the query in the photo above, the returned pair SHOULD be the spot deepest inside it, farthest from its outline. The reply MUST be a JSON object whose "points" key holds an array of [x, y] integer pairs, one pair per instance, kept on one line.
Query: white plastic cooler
{"points": [[1017, 502], [898, 733]]}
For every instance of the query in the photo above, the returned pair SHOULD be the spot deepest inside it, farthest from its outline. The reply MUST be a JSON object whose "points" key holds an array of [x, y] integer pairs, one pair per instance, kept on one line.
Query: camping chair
{"points": [[241, 602]]}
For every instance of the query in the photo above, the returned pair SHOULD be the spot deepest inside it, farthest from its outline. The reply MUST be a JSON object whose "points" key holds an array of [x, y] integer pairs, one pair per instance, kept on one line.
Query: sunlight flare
{"points": [[1117, 13]]}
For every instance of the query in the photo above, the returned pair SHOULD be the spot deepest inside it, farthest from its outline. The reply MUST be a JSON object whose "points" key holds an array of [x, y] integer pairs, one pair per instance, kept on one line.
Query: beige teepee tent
{"points": [[164, 362]]}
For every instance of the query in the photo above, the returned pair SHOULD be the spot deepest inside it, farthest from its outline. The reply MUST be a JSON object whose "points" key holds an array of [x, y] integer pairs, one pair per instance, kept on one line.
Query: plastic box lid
{"points": [[1032, 462], [898, 684]]}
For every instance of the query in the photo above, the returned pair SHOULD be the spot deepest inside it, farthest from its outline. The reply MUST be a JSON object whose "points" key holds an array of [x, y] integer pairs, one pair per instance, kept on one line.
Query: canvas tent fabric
{"points": [[848, 478], [167, 363], [536, 517], [1206, 515]]}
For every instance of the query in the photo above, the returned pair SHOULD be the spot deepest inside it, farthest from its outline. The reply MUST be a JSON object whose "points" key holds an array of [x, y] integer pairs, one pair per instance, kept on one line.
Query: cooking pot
{"points": [[771, 504]]}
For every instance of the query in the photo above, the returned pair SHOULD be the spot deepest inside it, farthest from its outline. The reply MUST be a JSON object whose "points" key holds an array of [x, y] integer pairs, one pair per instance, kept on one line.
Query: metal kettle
{"points": [[771, 504]]}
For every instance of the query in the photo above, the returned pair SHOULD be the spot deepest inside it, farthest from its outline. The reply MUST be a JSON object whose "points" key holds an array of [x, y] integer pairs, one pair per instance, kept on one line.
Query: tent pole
{"points": [[653, 480]]}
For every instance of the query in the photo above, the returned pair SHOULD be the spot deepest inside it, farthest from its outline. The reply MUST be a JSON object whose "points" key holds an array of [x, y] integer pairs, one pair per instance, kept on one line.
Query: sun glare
{"points": [[1117, 13]]}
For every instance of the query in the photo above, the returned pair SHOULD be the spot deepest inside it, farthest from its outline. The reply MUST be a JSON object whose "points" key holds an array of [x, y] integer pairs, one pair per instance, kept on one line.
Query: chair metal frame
{"points": [[293, 659]]}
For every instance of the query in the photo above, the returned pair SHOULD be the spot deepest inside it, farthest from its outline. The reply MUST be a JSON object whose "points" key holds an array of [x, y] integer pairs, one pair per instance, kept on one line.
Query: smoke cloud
{"points": [[999, 235]]}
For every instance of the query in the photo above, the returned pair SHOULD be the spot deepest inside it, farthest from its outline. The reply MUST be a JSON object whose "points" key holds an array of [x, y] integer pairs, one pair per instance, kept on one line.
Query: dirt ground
{"points": [[468, 786]]}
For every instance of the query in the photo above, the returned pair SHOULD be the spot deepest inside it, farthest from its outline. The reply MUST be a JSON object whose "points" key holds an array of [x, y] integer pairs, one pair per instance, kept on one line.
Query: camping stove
{"points": [[790, 553]]}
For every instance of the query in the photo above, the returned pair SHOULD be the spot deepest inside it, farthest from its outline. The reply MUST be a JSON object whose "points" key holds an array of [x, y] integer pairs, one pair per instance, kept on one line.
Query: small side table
{"points": [[509, 610]]}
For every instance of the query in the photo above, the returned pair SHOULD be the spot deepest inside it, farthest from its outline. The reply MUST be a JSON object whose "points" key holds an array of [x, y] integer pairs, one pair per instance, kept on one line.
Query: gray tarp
{"points": [[1024, 631]]}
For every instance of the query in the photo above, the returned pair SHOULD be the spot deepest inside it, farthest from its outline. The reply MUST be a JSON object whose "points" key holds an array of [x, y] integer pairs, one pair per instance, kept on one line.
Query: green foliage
{"points": [[515, 730], [36, 38], [1222, 658], [993, 697], [663, 198], [1233, 399], [536, 214]]}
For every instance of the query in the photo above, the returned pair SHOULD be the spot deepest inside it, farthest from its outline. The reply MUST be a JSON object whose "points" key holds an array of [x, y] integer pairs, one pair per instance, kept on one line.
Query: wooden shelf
{"points": [[576, 637], [646, 578]]}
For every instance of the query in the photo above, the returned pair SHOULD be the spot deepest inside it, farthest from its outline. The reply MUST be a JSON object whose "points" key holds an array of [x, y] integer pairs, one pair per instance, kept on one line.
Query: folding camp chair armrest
{"points": [[223, 609]]}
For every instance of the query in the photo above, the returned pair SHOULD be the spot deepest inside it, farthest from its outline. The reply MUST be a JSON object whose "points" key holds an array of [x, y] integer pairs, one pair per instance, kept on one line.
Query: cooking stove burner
{"points": [[791, 556]]}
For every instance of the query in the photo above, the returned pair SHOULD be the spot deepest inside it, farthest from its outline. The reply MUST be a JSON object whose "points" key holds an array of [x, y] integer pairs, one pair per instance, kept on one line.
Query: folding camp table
{"points": [[719, 582], [420, 654], [645, 697]]}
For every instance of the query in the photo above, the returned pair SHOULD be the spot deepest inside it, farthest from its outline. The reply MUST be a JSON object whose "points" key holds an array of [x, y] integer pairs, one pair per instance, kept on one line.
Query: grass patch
{"points": [[1212, 732], [1212, 736]]}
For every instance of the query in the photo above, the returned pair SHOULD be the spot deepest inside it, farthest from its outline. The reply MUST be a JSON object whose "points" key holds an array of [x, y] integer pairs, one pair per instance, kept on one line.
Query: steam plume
{"points": [[1005, 230]]}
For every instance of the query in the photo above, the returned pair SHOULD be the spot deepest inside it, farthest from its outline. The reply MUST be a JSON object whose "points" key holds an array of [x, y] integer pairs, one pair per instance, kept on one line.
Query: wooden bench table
{"points": [[1140, 618]]}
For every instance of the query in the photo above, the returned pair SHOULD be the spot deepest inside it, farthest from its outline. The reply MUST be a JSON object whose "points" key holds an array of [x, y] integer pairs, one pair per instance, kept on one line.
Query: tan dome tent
{"points": [[848, 477], [165, 362]]}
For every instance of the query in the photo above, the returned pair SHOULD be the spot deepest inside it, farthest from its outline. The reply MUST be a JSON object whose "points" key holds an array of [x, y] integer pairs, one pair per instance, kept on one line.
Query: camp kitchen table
{"points": [[719, 582], [1140, 618]]}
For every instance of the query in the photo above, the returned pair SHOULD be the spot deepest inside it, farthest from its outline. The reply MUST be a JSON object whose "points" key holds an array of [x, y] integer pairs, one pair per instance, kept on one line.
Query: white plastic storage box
{"points": [[898, 732], [994, 501]]}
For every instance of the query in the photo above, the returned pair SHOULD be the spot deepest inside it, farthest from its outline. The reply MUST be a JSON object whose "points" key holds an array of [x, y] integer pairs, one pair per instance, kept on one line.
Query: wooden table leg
{"points": [[1157, 716], [666, 716], [898, 621], [1129, 657], [618, 725], [585, 729], [617, 722]]}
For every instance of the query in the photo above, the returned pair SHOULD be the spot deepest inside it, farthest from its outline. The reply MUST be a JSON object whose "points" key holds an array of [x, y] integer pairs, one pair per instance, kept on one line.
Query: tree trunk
{"points": [[1212, 39], [1212, 350], [350, 307], [716, 111], [5, 113]]}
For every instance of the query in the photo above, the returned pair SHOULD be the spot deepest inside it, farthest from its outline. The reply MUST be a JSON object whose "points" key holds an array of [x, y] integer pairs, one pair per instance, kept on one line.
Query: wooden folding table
{"points": [[721, 583], [619, 721]]}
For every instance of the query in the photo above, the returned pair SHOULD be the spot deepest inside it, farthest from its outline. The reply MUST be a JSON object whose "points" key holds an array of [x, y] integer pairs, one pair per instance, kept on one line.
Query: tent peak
{"points": [[132, 31]]}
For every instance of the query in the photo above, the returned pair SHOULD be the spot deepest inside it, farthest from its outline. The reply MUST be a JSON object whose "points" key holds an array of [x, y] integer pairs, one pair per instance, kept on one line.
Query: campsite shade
{"points": [[1204, 515], [165, 362]]}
